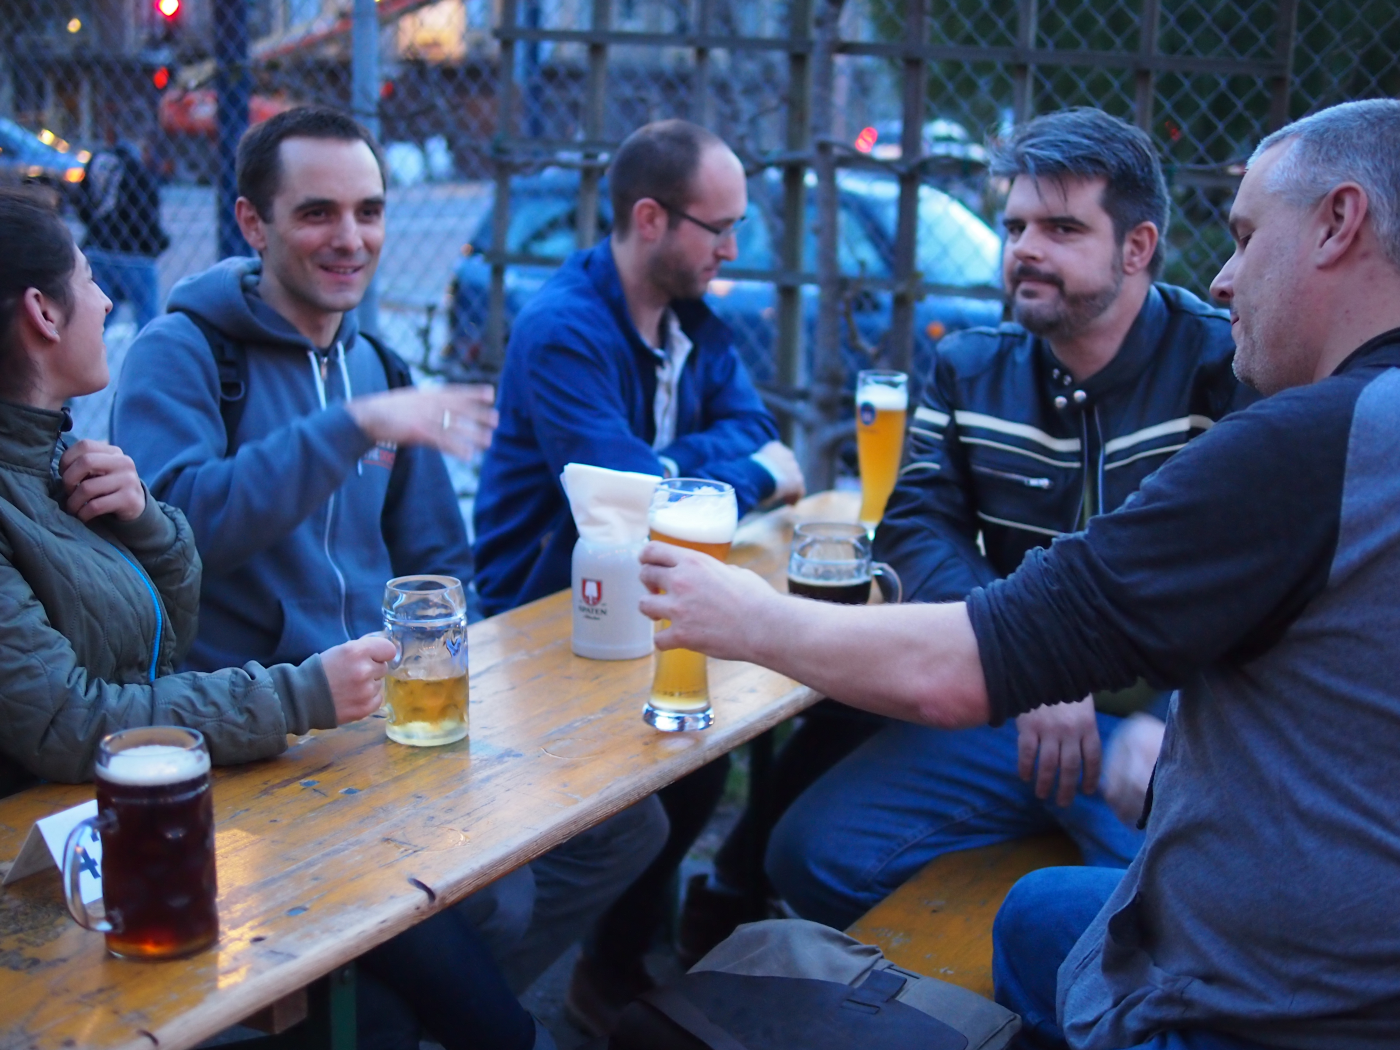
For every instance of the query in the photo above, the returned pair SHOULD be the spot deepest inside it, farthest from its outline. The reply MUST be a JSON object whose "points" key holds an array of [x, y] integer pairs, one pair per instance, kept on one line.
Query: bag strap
{"points": [[231, 359], [396, 369], [674, 1005]]}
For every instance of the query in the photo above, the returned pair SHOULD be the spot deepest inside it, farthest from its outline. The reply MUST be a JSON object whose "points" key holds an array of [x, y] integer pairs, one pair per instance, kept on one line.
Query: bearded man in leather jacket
{"points": [[1025, 432]]}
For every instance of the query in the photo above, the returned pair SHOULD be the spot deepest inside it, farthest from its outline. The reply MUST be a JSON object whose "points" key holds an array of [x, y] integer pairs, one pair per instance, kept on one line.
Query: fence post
{"points": [[829, 383], [232, 88], [1146, 77], [7, 82], [1285, 37], [702, 111], [364, 103], [593, 120], [506, 91], [901, 337], [790, 370], [1023, 72]]}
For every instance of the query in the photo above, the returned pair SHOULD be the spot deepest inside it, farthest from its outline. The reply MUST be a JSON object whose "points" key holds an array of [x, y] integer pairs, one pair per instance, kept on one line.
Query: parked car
{"points": [[43, 158], [956, 249]]}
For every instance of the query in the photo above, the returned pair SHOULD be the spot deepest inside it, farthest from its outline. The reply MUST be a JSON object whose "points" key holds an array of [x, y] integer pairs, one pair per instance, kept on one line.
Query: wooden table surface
{"points": [[346, 838]]}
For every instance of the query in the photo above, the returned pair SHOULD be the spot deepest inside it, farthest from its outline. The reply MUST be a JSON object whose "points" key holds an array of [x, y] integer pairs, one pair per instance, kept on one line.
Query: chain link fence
{"points": [[863, 125]]}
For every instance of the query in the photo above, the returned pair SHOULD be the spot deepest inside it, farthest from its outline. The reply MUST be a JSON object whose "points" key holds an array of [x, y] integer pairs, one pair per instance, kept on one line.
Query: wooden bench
{"points": [[940, 922]]}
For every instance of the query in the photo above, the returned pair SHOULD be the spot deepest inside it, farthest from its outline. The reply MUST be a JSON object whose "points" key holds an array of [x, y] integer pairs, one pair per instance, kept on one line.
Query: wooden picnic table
{"points": [[346, 838]]}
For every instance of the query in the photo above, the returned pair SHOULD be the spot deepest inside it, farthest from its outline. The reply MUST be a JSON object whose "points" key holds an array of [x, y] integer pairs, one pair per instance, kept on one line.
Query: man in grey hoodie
{"points": [[325, 482]]}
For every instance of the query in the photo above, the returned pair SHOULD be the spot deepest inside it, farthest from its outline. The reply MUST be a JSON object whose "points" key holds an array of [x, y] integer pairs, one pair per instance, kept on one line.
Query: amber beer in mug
{"points": [[882, 403], [426, 692], [701, 515], [155, 813]]}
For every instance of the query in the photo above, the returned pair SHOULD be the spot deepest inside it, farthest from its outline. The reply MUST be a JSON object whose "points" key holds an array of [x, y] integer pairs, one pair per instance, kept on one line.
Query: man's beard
{"points": [[1068, 315], [674, 276]]}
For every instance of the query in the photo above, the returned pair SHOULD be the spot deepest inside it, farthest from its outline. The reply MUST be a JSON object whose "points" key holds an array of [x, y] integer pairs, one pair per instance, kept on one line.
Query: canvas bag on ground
{"points": [[789, 984]]}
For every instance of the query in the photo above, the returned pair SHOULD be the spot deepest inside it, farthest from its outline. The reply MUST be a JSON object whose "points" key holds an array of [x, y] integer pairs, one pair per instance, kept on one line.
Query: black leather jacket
{"points": [[1008, 446]]}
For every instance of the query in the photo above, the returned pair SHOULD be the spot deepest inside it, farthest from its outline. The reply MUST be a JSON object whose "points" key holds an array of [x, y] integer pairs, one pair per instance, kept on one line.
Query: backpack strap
{"points": [[396, 369], [231, 359]]}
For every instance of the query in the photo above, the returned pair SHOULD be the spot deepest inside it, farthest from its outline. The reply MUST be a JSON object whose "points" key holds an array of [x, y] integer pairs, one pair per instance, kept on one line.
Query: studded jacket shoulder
{"points": [[1006, 451]]}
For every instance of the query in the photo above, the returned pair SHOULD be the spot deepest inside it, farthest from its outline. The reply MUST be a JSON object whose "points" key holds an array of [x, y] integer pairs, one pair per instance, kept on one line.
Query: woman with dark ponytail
{"points": [[99, 583]]}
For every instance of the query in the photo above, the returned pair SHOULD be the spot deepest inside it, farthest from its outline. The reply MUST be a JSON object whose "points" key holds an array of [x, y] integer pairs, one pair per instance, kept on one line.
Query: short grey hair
{"points": [[1354, 142]]}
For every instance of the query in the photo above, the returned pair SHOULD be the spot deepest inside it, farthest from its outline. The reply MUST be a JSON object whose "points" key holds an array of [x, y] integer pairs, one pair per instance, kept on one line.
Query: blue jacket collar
{"points": [[1137, 350], [696, 319]]}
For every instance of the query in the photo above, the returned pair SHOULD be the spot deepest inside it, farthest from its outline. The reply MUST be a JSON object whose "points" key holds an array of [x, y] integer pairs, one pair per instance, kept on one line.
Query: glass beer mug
{"points": [[155, 813], [426, 691], [832, 563]]}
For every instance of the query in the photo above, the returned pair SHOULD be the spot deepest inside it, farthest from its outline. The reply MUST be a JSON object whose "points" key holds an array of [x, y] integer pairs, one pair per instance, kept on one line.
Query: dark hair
{"points": [[657, 160], [259, 162], [36, 251], [1087, 144]]}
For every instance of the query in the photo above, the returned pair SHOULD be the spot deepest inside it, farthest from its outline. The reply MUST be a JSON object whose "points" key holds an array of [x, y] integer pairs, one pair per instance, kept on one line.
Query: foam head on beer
{"points": [[698, 518], [883, 398], [152, 765]]}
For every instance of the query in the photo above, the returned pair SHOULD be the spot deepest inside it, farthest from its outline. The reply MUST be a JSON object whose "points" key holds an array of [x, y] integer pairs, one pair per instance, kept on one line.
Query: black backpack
{"points": [[231, 358]]}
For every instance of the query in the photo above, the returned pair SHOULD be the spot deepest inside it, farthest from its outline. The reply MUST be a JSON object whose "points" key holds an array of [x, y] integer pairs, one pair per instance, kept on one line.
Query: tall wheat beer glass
{"points": [[155, 813], [701, 515], [882, 403]]}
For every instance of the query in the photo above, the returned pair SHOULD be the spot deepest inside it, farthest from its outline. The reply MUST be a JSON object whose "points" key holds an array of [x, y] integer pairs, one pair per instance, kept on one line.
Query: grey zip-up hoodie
{"points": [[297, 521]]}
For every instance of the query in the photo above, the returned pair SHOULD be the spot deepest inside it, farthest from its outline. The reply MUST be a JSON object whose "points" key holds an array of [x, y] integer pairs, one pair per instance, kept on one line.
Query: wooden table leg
{"points": [[328, 1007]]}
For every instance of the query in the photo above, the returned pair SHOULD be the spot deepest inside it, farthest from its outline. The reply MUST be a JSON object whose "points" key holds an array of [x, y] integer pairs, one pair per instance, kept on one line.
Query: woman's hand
{"points": [[101, 479]]}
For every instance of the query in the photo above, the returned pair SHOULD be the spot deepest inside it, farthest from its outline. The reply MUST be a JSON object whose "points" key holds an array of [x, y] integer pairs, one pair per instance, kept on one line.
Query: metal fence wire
{"points": [[863, 125]]}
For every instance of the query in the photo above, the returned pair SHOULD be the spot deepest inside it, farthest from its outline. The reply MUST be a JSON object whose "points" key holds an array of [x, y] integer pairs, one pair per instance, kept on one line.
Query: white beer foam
{"points": [[151, 765], [884, 398], [697, 519]]}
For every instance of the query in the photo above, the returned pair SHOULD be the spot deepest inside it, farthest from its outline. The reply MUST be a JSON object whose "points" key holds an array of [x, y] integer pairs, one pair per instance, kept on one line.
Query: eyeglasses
{"points": [[718, 232]]}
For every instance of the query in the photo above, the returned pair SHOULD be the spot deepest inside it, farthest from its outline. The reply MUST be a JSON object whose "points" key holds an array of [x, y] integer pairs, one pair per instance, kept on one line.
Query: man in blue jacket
{"points": [[1025, 433], [321, 485], [618, 362]]}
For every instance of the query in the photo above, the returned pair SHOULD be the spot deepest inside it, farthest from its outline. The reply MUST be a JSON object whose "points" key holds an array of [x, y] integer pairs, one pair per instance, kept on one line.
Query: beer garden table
{"points": [[346, 839]]}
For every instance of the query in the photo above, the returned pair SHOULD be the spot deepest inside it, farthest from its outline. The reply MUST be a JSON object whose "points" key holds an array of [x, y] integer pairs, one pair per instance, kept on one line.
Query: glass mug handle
{"points": [[879, 568], [398, 648], [77, 907]]}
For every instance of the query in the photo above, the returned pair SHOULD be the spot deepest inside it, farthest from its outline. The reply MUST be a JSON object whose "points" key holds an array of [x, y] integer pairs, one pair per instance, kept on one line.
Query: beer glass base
{"points": [[141, 953], [678, 721]]}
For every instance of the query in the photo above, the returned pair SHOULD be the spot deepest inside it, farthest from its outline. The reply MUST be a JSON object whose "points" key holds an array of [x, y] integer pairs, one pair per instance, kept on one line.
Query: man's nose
{"points": [[728, 246], [1222, 289], [348, 236]]}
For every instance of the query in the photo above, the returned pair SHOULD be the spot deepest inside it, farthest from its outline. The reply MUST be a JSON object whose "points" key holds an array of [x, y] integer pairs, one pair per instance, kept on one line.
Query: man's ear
{"points": [[40, 315], [650, 220], [1341, 219], [1138, 248], [250, 223]]}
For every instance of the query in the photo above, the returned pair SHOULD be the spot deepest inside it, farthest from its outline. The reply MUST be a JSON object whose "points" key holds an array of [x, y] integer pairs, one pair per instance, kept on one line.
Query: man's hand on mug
{"points": [[711, 606], [457, 418], [355, 671], [783, 465]]}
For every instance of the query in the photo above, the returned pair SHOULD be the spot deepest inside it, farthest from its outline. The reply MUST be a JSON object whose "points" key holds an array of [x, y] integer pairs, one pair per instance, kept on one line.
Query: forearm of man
{"points": [[917, 663]]}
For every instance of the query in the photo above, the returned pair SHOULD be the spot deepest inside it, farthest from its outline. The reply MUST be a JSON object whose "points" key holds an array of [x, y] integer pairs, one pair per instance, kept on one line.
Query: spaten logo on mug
{"points": [[592, 591]]}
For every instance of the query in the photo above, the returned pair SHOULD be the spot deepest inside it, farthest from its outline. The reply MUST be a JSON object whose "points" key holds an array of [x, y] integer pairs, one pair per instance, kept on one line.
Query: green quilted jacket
{"points": [[94, 619]]}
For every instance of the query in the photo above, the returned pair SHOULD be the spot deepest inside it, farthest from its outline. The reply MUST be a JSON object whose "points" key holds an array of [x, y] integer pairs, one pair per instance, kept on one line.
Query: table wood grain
{"points": [[346, 839]]}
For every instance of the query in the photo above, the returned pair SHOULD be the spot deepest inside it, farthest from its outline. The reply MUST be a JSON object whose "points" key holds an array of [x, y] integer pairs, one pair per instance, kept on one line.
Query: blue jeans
{"points": [[909, 794], [126, 277], [1040, 921]]}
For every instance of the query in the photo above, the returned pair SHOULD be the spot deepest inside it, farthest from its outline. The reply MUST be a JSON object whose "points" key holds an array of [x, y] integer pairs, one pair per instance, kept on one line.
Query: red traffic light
{"points": [[865, 141], [168, 8], [161, 78]]}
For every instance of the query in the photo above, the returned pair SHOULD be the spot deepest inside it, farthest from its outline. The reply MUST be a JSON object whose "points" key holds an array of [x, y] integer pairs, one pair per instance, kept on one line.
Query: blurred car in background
{"points": [[956, 250], [38, 158]]}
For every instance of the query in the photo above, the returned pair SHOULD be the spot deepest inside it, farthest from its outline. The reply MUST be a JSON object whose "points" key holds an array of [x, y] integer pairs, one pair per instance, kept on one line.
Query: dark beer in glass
{"points": [[155, 813], [832, 562]]}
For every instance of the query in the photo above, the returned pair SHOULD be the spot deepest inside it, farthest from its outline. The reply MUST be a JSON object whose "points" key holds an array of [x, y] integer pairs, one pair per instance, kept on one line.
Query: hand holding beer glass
{"points": [[701, 515], [832, 563], [882, 404], [155, 813], [426, 691]]}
